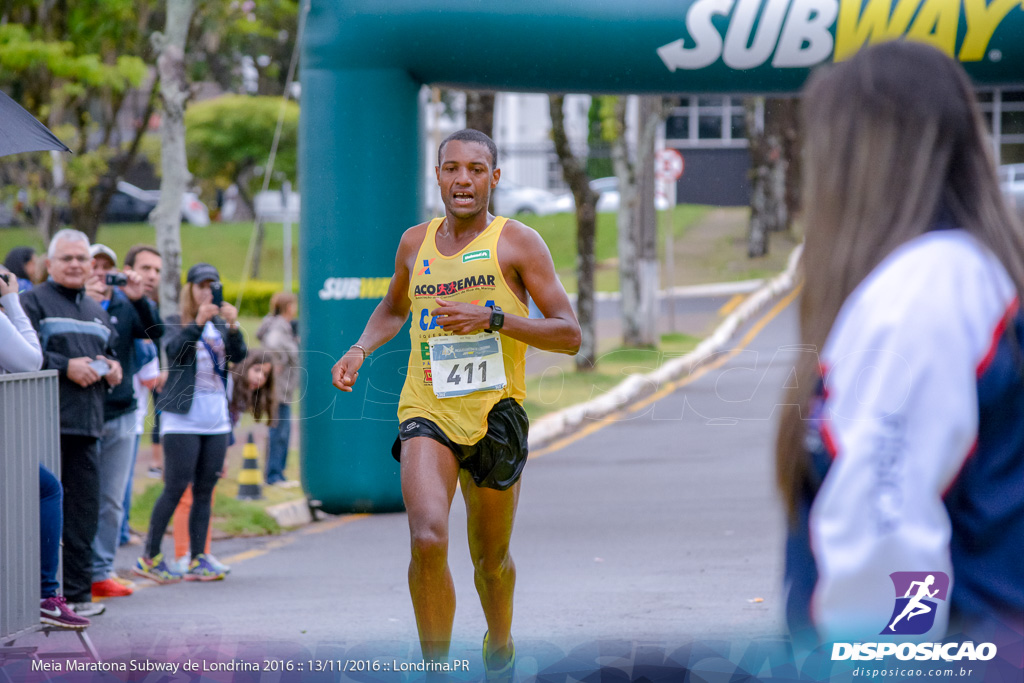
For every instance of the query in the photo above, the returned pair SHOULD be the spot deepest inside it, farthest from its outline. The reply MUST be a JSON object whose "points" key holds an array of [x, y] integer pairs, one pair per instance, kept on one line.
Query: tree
{"points": [[229, 139], [637, 219], [225, 33], [575, 174], [775, 170], [174, 92], [75, 66]]}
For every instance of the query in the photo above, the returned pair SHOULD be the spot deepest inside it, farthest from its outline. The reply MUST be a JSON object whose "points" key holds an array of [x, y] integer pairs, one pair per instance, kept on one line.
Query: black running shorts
{"points": [[496, 460]]}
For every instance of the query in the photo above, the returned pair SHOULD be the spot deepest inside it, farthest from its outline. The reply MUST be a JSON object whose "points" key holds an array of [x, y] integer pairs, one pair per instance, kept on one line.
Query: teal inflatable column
{"points": [[360, 174]]}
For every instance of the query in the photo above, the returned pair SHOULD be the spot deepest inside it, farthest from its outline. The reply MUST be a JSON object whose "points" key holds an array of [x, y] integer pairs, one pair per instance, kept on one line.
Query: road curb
{"points": [[551, 427]]}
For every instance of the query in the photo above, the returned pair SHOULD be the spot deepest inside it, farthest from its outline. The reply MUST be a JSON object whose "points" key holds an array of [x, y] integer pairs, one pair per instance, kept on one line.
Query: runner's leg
{"points": [[429, 474], [491, 514]]}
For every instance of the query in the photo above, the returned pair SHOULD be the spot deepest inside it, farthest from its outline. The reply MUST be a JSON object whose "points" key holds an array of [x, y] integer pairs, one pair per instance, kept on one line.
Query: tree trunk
{"points": [[575, 175], [174, 92], [637, 222], [652, 113], [480, 111], [759, 227], [480, 116], [629, 276]]}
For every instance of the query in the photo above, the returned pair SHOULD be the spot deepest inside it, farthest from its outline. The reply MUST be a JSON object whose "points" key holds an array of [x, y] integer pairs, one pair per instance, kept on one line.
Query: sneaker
{"points": [[499, 671], [88, 609], [55, 612], [127, 583], [155, 473], [110, 588], [179, 565], [217, 564], [202, 569], [156, 569]]}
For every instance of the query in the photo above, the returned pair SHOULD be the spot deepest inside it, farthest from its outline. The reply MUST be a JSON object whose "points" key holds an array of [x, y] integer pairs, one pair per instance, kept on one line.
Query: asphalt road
{"points": [[659, 527]]}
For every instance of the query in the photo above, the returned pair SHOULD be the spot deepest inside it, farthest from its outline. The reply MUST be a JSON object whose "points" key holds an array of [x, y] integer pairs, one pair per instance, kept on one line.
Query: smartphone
{"points": [[218, 293], [117, 279], [6, 279], [101, 366]]}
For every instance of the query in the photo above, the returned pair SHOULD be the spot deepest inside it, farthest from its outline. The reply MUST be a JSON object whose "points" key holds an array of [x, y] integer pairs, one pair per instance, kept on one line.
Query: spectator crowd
{"points": [[94, 318]]}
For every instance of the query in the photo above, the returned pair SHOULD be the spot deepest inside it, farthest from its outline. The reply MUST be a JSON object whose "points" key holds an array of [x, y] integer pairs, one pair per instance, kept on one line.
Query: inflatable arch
{"points": [[363, 64]]}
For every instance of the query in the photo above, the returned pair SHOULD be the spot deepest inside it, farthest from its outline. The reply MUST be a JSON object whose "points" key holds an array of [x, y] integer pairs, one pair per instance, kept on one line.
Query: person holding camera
{"points": [[195, 425], [20, 352], [122, 296], [78, 341]]}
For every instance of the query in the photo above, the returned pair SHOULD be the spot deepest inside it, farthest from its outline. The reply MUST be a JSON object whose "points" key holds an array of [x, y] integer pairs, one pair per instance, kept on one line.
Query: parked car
{"points": [[609, 199], [1011, 181], [131, 204], [510, 199]]}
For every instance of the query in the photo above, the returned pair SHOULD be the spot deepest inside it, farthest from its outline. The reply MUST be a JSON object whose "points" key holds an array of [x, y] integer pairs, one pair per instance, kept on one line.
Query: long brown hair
{"points": [[260, 403], [187, 306], [891, 138]]}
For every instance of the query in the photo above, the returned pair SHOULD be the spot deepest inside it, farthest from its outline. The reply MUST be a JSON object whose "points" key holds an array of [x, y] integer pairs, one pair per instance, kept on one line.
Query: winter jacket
{"points": [[180, 344], [71, 325], [132, 320]]}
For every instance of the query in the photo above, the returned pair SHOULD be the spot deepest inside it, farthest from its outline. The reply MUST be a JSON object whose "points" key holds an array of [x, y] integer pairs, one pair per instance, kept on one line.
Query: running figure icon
{"points": [[915, 606]]}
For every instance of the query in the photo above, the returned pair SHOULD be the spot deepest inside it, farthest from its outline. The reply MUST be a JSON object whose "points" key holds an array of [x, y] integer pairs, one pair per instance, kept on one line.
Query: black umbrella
{"points": [[22, 132]]}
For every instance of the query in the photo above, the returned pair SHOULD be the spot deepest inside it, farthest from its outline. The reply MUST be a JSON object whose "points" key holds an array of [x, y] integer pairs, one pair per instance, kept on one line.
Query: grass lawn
{"points": [[559, 232], [556, 389]]}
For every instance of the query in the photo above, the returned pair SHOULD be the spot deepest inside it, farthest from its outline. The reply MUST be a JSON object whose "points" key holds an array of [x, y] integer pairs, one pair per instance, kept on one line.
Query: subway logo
{"points": [[803, 33]]}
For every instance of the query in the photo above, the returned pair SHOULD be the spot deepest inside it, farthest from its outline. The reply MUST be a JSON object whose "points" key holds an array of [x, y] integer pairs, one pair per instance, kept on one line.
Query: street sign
{"points": [[669, 164]]}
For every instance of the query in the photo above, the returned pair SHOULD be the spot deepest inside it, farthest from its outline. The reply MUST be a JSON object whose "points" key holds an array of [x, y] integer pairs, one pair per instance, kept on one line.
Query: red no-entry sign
{"points": [[669, 164]]}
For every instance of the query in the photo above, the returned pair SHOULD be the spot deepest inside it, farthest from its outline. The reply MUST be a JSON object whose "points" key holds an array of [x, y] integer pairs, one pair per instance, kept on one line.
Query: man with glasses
{"points": [[77, 339]]}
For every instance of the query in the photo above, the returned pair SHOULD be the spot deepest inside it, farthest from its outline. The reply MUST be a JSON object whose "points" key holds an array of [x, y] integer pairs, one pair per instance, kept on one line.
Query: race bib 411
{"points": [[466, 364]]}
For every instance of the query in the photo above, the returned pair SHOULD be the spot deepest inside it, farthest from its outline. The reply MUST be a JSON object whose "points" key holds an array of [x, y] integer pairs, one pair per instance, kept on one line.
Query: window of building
{"points": [[1003, 111], [709, 121]]}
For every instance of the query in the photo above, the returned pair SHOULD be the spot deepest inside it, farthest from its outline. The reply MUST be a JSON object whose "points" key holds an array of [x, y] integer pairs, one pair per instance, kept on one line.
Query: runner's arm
{"points": [[386, 320], [559, 330]]}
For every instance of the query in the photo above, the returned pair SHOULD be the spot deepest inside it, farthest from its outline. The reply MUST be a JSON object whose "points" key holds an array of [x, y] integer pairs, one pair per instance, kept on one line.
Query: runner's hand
{"points": [[461, 318], [346, 371]]}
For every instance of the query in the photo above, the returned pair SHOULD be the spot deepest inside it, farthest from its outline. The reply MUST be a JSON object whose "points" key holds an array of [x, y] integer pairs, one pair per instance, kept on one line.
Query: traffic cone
{"points": [[249, 478]]}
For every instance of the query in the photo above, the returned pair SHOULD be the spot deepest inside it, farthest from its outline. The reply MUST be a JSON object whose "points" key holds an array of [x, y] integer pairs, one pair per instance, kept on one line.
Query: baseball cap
{"points": [[201, 272], [103, 250]]}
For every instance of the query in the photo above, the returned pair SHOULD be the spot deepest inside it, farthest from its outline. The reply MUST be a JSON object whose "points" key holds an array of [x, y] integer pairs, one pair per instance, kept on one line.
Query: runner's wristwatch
{"points": [[497, 319]]}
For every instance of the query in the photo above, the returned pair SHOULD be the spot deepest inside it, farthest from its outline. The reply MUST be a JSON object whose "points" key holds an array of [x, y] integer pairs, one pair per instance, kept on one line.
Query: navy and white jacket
{"points": [[71, 325], [131, 320], [916, 447]]}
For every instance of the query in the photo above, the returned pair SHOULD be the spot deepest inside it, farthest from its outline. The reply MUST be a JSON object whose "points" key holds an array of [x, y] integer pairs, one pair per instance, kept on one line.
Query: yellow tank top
{"points": [[472, 276]]}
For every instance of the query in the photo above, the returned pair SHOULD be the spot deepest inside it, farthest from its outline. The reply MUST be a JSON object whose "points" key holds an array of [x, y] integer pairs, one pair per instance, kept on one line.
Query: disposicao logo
{"points": [[804, 33], [916, 602], [917, 594]]}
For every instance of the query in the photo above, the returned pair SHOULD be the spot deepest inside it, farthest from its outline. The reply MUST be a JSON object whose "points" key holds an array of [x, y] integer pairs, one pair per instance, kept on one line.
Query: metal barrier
{"points": [[29, 435]]}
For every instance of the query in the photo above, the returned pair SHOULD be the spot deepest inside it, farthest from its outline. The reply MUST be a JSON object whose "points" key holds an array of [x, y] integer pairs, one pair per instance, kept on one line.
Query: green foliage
{"points": [[255, 295], [229, 136]]}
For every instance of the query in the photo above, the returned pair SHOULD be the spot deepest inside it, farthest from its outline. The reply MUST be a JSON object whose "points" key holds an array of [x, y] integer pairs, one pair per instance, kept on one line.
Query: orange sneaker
{"points": [[109, 588]]}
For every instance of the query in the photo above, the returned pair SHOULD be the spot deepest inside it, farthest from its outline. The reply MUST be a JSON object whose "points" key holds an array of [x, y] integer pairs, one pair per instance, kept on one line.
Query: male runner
{"points": [[466, 278]]}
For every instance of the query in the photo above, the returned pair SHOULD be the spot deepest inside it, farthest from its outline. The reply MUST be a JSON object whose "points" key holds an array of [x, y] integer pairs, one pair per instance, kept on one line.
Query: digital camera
{"points": [[117, 279]]}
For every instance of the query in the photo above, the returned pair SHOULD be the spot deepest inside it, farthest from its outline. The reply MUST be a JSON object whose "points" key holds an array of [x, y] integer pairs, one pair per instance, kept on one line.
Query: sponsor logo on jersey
{"points": [[480, 255], [455, 286]]}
